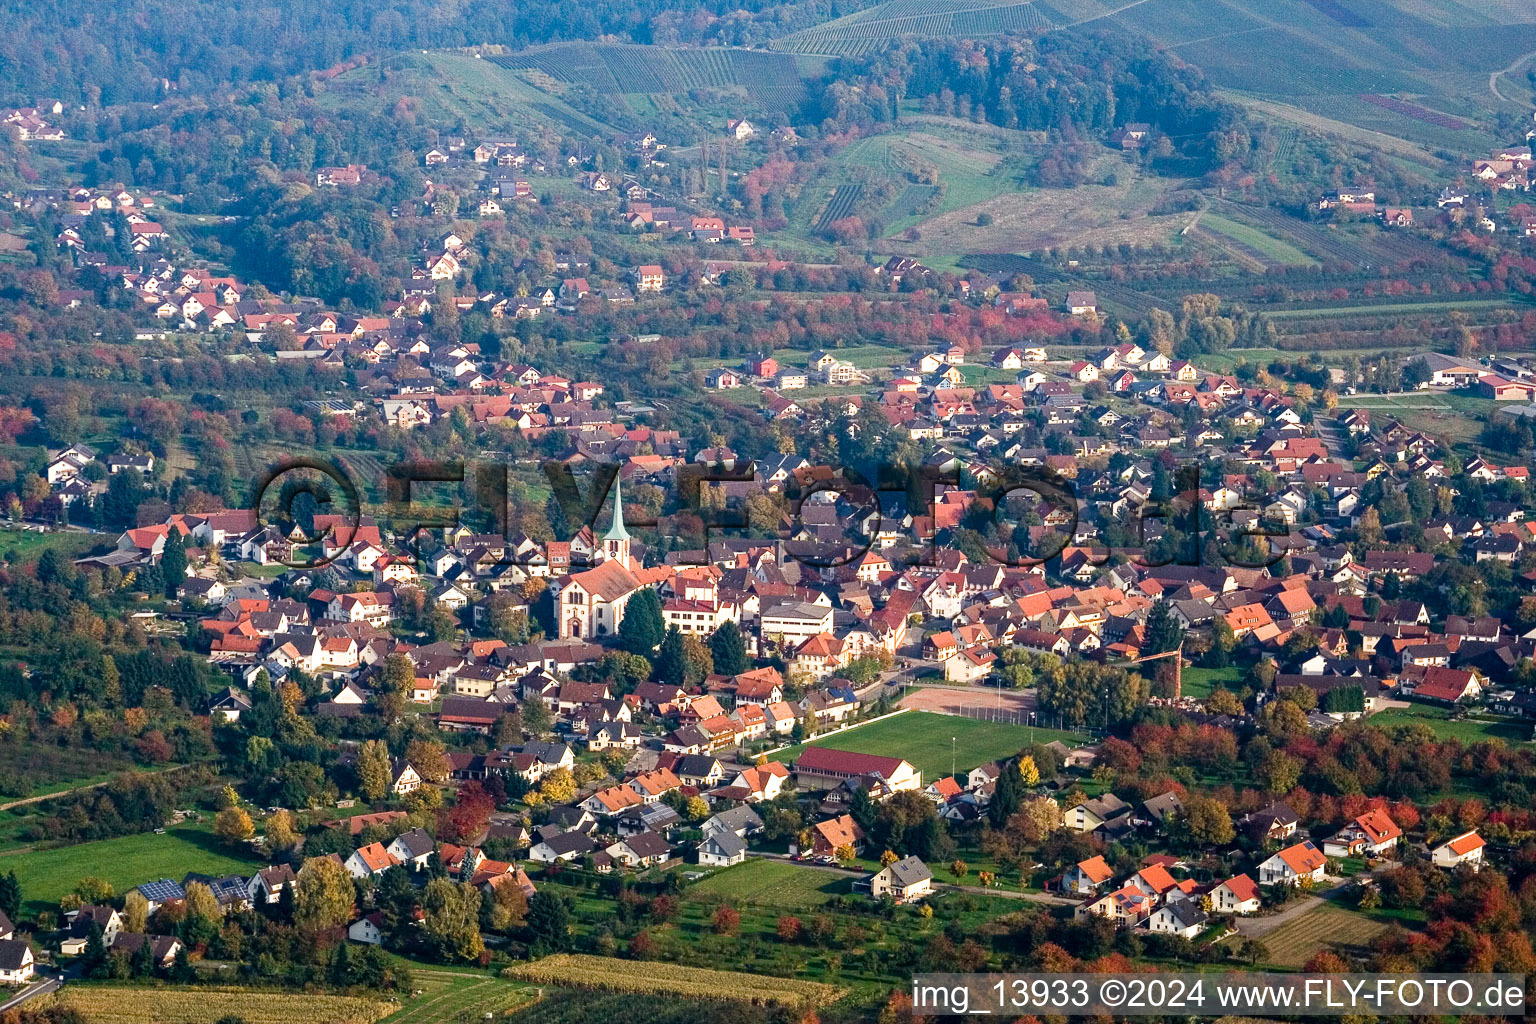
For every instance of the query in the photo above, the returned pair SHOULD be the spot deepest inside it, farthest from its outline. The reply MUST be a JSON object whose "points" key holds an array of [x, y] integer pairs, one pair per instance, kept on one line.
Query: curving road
{"points": [[1493, 79]]}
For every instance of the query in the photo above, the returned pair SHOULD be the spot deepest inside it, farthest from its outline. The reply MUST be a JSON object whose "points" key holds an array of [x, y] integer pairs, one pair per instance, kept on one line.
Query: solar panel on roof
{"points": [[162, 890]]}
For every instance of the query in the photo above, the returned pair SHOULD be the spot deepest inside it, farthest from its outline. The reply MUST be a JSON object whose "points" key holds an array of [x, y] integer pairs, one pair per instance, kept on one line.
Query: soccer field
{"points": [[924, 740]]}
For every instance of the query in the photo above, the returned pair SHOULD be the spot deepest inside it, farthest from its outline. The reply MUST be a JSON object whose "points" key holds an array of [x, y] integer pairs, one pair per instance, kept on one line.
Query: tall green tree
{"points": [[1163, 631], [451, 919], [549, 922], [672, 660], [1006, 796], [10, 895], [173, 561], [730, 650], [642, 627]]}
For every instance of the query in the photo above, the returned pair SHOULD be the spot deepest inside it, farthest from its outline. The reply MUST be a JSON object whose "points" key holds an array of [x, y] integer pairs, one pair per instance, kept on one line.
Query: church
{"points": [[591, 604]]}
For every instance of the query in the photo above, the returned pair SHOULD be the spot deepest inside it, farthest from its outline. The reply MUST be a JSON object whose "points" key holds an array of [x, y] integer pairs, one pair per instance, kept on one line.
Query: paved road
{"points": [[42, 988], [1493, 79]]}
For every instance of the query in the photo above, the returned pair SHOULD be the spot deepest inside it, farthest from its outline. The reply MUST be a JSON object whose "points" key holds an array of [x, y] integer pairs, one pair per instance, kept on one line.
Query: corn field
{"points": [[612, 975], [117, 1004]]}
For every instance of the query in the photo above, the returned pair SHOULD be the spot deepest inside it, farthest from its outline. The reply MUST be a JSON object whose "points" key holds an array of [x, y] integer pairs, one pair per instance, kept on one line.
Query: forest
{"points": [[112, 53], [1067, 83]]}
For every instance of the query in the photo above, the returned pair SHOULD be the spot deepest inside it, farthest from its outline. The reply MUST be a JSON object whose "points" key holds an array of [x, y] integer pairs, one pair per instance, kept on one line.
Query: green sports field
{"points": [[923, 738]]}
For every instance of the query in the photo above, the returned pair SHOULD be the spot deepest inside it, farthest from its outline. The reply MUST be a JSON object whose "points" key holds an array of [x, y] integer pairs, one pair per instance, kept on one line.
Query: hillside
{"points": [[1434, 72]]}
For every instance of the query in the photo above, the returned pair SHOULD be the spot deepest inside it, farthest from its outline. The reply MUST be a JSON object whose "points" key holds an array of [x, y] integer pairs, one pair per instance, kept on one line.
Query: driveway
{"points": [[1257, 927]]}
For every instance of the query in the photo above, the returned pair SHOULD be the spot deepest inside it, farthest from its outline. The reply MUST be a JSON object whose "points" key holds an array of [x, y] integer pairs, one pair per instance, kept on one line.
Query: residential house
{"points": [[1237, 895], [1294, 865], [1466, 848], [903, 880]]}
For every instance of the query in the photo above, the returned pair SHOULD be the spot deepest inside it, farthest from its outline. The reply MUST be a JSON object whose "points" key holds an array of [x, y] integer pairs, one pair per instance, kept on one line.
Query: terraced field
{"points": [[839, 206], [774, 81], [870, 30]]}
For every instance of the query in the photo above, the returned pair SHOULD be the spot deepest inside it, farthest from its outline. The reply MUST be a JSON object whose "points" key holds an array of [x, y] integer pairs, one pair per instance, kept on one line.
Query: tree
{"points": [[374, 771], [671, 660], [1028, 773], [142, 963], [135, 912], [725, 920], [93, 889], [430, 759], [698, 662], [451, 919], [549, 922], [1006, 795], [1280, 772], [1369, 530], [10, 895], [93, 960], [202, 903], [1163, 631], [173, 562], [642, 627], [1223, 702], [1284, 719], [1252, 950], [323, 895], [399, 673], [537, 718], [558, 786], [729, 649], [1208, 820], [233, 825], [280, 833]]}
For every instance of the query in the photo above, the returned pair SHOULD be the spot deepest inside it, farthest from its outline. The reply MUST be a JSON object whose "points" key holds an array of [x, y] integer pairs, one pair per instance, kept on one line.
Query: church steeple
{"points": [[616, 540]]}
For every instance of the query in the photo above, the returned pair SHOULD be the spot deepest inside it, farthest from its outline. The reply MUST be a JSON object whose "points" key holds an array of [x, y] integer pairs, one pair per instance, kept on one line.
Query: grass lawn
{"points": [[1467, 730], [1294, 942], [46, 875], [23, 547], [773, 883], [923, 738], [1199, 682], [458, 995]]}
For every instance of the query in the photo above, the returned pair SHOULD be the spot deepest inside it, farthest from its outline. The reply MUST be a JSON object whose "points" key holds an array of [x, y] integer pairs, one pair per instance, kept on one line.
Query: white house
{"points": [[413, 849], [16, 964], [903, 880], [366, 929], [1181, 918], [1294, 865], [722, 849], [1237, 895], [370, 861], [1466, 848], [1086, 876]]}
